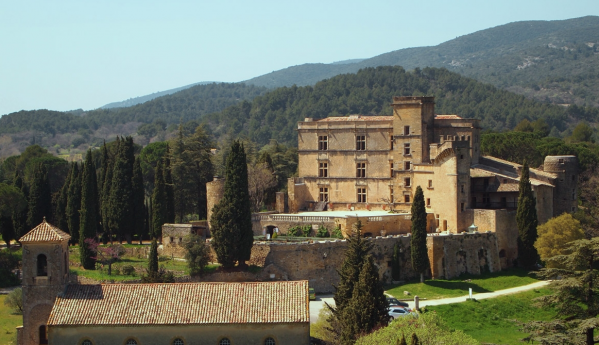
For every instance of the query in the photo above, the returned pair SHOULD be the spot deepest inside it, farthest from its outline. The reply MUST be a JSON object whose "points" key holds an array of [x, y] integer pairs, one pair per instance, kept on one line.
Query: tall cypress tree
{"points": [[231, 221], [526, 218], [89, 211], [105, 203], [159, 212], [396, 263], [19, 218], [40, 198], [121, 192], [420, 262], [169, 188], [153, 259], [104, 167], [61, 204], [74, 203], [139, 210]]}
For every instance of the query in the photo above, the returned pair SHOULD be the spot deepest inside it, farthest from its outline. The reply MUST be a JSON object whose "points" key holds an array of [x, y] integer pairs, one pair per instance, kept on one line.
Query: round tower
{"points": [[215, 190], [566, 182]]}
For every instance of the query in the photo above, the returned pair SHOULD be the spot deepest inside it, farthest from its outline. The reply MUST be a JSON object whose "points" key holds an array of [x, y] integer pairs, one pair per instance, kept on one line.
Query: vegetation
{"points": [[8, 323], [89, 211], [11, 201], [40, 199], [555, 235], [420, 262], [196, 254], [159, 211], [74, 203], [526, 217], [14, 300], [8, 262]]}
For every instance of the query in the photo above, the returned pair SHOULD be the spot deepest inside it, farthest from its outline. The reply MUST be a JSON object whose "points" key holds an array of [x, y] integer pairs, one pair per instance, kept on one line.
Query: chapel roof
{"points": [[45, 232], [182, 304], [447, 117], [355, 118]]}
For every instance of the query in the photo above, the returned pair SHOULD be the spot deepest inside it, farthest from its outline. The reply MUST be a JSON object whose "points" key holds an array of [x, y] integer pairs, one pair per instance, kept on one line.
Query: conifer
{"points": [[121, 193], [153, 259], [61, 204], [139, 211], [159, 212], [7, 229], [74, 203], [420, 261], [89, 211], [169, 188], [526, 218], [396, 262], [19, 218], [105, 203], [40, 199]]}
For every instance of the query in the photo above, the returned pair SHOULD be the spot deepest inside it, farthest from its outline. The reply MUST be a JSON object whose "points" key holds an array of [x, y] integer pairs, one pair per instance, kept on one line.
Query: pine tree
{"points": [[139, 210], [121, 193], [169, 188], [420, 261], [526, 218], [153, 260], [159, 212], [74, 203], [19, 218], [415, 340], [231, 221], [89, 211], [40, 199]]}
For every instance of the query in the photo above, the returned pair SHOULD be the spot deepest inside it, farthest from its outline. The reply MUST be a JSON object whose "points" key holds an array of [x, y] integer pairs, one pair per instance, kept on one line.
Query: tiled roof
{"points": [[447, 117], [182, 304], [45, 232], [518, 166], [356, 118], [480, 170]]}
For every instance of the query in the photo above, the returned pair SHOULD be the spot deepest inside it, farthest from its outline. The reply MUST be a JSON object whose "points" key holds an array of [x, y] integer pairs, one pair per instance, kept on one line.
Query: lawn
{"points": [[443, 288], [8, 323], [493, 320]]}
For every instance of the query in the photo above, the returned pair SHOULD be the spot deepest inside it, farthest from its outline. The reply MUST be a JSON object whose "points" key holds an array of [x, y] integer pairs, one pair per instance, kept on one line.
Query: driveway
{"points": [[318, 304]]}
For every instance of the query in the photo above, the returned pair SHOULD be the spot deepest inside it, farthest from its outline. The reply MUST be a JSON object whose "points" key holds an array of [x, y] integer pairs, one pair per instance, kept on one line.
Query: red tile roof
{"points": [[447, 117], [355, 118], [182, 304], [45, 232]]}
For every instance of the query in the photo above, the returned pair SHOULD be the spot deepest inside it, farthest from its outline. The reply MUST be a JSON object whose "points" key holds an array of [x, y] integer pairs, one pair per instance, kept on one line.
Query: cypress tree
{"points": [[159, 212], [153, 260], [420, 262], [121, 192], [396, 262], [89, 211], [40, 198], [139, 210], [104, 167], [74, 203], [105, 203], [19, 218], [169, 188], [61, 204], [526, 218], [231, 221]]}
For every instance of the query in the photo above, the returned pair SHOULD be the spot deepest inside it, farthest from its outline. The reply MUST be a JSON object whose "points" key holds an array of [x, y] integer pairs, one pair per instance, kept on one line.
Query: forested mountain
{"points": [[555, 61]]}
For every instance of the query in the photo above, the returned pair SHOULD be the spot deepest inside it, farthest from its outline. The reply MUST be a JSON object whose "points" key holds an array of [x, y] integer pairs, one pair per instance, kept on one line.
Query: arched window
{"points": [[66, 264], [224, 341], [269, 341], [86, 342], [42, 266], [43, 333], [178, 341], [131, 342]]}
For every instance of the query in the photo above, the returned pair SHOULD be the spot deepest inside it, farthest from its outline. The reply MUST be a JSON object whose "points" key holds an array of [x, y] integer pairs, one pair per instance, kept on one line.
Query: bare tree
{"points": [[260, 180]]}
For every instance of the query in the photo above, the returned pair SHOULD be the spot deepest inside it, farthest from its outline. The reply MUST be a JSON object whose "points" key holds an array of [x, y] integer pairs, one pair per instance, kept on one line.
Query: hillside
{"points": [[546, 60]]}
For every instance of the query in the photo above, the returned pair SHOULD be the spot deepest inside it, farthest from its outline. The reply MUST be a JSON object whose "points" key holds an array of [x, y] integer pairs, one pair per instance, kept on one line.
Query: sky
{"points": [[65, 55]]}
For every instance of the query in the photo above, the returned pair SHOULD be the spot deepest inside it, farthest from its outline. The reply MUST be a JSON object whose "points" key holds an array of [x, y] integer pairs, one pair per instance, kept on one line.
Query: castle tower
{"points": [[45, 275], [564, 194], [215, 190]]}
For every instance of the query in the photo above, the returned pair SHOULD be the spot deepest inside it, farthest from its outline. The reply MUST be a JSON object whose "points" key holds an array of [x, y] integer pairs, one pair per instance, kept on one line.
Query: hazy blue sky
{"points": [[64, 55]]}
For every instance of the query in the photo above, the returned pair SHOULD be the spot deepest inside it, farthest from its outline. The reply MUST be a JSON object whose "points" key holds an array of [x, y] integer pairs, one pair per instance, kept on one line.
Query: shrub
{"points": [[163, 258], [127, 270], [274, 235], [8, 262], [196, 254], [322, 231], [162, 276], [14, 300], [306, 229], [337, 232], [294, 230]]}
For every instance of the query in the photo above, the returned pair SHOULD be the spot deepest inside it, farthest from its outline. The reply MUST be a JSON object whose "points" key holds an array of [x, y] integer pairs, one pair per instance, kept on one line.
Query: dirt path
{"points": [[316, 306]]}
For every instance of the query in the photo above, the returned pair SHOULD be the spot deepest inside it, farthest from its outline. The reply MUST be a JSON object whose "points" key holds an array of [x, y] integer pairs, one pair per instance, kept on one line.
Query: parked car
{"points": [[397, 311], [395, 301], [312, 294]]}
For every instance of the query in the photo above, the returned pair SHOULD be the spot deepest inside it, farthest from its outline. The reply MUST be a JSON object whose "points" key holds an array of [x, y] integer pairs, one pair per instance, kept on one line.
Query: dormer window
{"points": [[42, 266]]}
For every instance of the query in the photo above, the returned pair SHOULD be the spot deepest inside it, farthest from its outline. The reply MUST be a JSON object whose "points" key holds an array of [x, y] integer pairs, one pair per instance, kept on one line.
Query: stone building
{"points": [[56, 312]]}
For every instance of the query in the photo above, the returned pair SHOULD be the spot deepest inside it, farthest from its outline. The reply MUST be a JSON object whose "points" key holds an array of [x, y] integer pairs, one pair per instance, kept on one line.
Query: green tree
{"points": [[89, 212], [121, 192], [581, 133], [396, 261], [7, 229], [60, 217], [420, 261], [40, 199], [105, 203], [231, 221], [74, 203], [524, 126], [153, 259], [139, 209], [169, 188], [196, 254], [19, 216], [14, 300], [526, 218], [159, 211], [555, 235]]}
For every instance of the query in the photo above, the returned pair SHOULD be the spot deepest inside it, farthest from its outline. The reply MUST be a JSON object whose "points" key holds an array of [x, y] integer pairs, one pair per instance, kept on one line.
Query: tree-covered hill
{"points": [[541, 59]]}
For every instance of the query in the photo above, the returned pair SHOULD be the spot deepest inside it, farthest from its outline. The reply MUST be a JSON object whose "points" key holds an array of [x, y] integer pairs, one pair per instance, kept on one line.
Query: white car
{"points": [[398, 311]]}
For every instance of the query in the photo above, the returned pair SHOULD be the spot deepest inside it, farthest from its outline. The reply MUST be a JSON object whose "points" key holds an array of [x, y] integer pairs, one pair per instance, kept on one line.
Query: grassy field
{"points": [[493, 320], [442, 288], [8, 322]]}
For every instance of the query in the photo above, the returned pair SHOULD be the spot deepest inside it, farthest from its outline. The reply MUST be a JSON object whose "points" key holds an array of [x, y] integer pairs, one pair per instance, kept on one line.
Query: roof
{"points": [[518, 166], [447, 117], [182, 304], [45, 232], [355, 118], [481, 170]]}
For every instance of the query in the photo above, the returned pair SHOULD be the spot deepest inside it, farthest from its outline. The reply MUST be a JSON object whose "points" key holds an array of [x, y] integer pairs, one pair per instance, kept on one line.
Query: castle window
{"points": [[461, 156], [561, 161], [178, 341], [502, 253], [462, 188], [406, 148], [323, 194], [407, 182], [361, 194], [43, 331], [391, 141], [406, 130], [269, 341], [573, 194], [323, 142], [463, 138], [462, 207], [430, 183], [131, 342], [360, 169], [407, 165], [360, 142], [391, 169], [323, 169], [428, 202], [42, 266], [66, 264], [406, 198], [224, 341], [391, 194]]}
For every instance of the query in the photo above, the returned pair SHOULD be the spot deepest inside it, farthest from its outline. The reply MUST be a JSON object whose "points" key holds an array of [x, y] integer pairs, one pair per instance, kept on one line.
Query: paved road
{"points": [[316, 306]]}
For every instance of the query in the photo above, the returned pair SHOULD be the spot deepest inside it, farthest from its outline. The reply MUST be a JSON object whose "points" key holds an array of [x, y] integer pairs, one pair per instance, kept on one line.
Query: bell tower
{"points": [[45, 275]]}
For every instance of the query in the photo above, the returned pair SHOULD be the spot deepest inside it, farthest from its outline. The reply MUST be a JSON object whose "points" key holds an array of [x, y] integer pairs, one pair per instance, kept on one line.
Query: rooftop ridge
{"points": [[45, 232]]}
